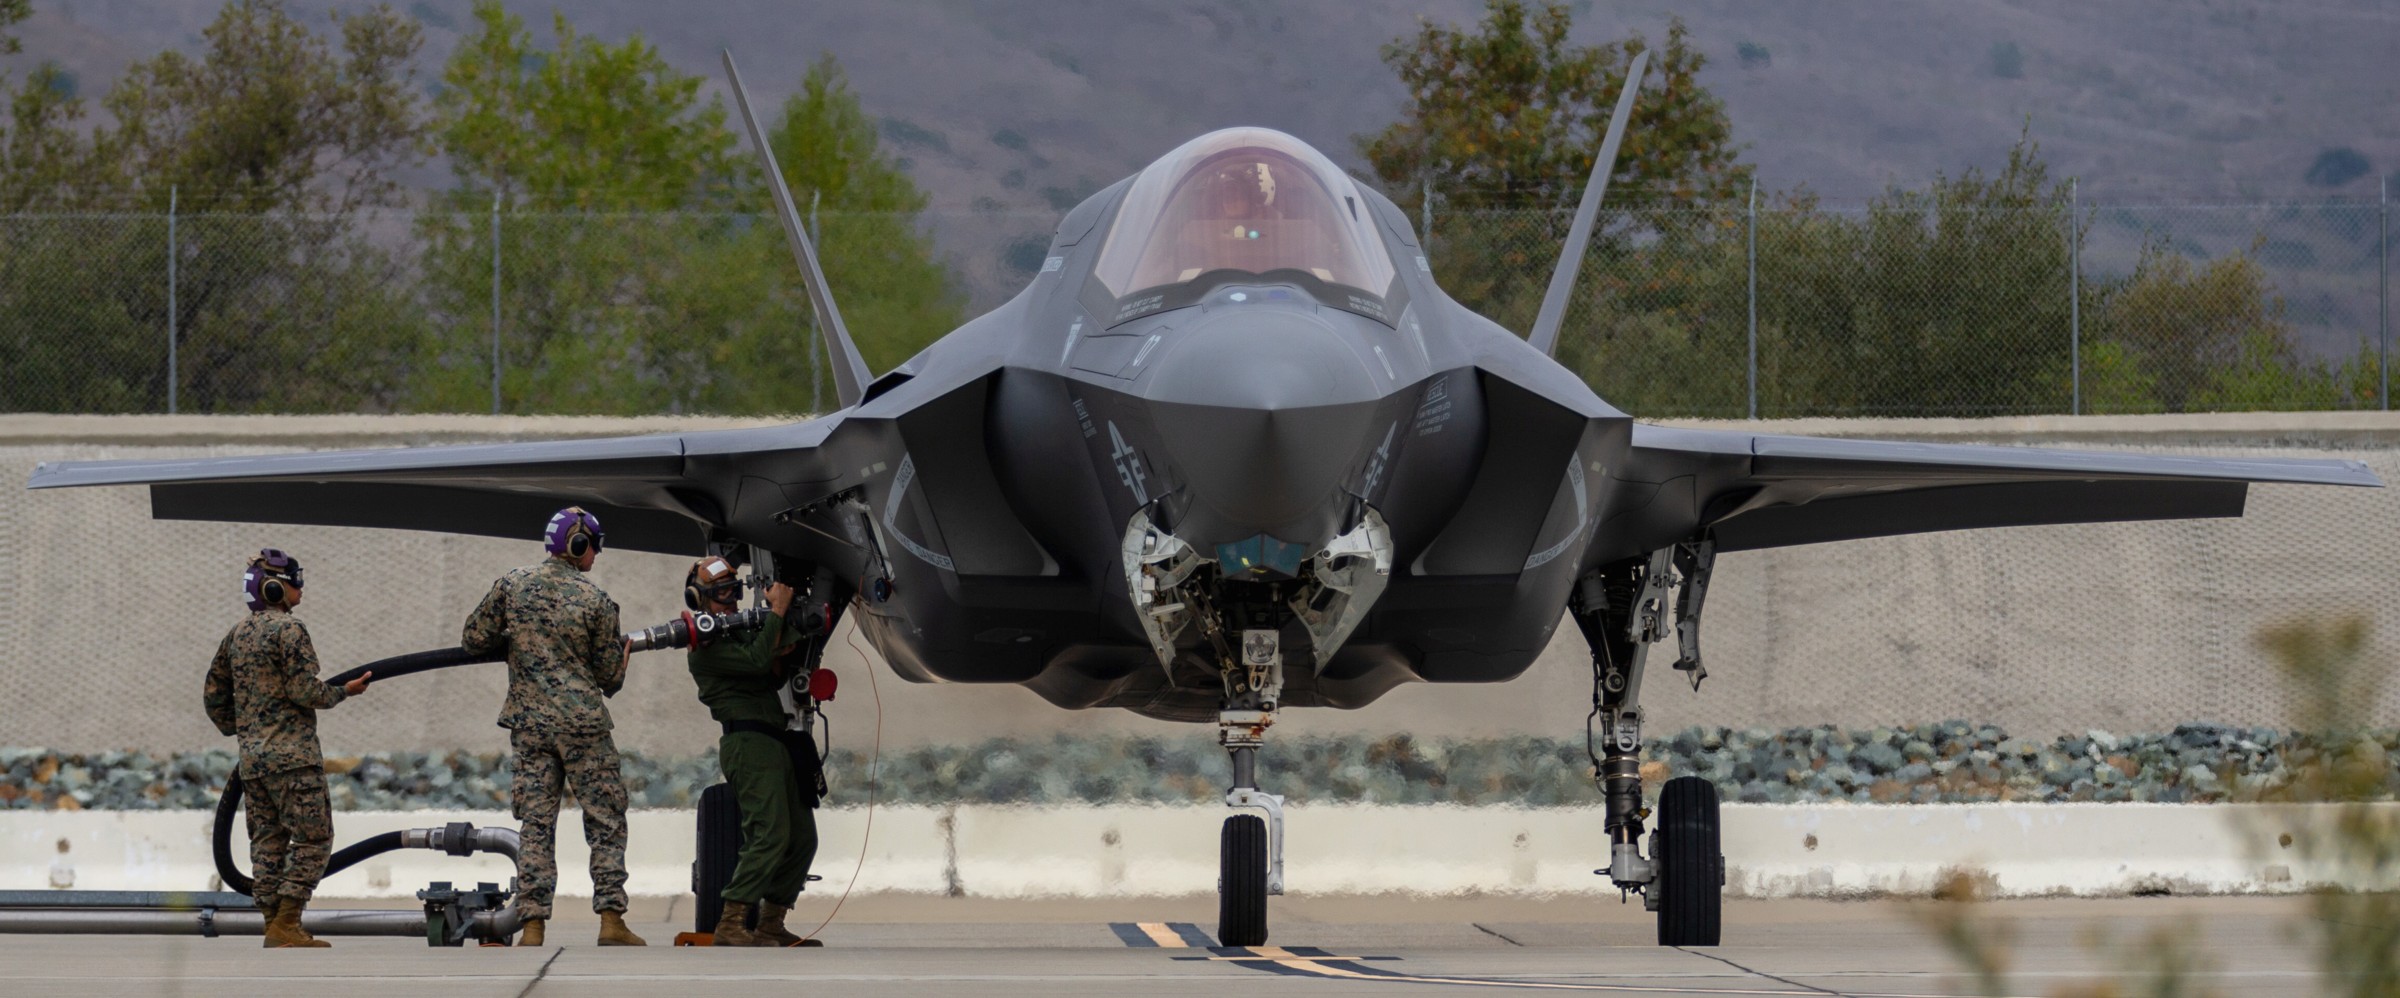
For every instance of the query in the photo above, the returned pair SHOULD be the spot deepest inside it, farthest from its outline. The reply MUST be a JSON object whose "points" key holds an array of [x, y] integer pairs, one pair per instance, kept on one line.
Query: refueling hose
{"points": [[677, 633], [230, 802]]}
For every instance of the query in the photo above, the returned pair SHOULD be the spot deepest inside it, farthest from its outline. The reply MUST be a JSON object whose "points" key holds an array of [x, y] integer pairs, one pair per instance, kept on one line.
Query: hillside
{"points": [[1006, 112]]}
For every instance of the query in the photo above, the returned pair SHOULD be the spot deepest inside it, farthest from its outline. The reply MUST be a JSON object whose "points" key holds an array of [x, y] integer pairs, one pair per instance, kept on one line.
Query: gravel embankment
{"points": [[1951, 761]]}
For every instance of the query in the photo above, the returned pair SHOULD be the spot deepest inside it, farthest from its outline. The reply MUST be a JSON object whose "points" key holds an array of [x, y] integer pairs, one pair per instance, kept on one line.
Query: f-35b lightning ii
{"points": [[1233, 451]]}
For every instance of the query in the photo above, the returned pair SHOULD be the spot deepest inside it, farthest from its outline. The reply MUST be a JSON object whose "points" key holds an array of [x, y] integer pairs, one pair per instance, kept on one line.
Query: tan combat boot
{"points": [[530, 933], [770, 926], [266, 908], [614, 933], [284, 931], [730, 931]]}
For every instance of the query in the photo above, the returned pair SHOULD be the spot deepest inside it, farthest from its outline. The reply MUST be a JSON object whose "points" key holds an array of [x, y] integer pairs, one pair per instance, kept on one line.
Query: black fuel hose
{"points": [[413, 663], [230, 802], [673, 634]]}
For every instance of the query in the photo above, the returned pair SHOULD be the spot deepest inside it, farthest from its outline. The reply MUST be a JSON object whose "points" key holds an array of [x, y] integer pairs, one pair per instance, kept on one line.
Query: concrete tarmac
{"points": [[914, 945]]}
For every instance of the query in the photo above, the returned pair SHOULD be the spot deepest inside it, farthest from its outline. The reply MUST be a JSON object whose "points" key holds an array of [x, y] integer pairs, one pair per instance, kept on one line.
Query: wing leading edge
{"points": [[1757, 491], [649, 491]]}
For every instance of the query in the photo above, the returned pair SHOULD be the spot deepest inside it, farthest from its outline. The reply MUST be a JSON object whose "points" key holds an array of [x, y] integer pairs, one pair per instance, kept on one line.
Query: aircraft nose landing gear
{"points": [[1250, 850]]}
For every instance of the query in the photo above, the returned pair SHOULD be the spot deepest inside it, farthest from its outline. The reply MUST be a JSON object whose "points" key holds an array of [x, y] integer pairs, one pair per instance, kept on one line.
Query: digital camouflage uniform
{"points": [[263, 688], [565, 658], [773, 776]]}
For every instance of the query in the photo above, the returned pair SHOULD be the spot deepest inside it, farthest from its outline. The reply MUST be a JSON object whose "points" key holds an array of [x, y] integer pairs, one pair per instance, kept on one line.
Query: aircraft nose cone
{"points": [[1262, 357], [1263, 413]]}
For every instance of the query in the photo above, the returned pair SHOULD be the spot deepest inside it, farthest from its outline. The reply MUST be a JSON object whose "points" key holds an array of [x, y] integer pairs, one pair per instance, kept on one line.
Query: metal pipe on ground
{"points": [[211, 914], [202, 922]]}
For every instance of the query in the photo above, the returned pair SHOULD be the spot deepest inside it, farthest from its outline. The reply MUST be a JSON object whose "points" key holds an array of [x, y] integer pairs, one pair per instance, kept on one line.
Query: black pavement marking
{"points": [[539, 974], [1293, 962], [1761, 973], [1165, 935], [1486, 930]]}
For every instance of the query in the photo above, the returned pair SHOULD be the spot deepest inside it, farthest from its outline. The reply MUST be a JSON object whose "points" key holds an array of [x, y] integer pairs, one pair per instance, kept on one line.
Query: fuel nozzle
{"points": [[696, 629]]}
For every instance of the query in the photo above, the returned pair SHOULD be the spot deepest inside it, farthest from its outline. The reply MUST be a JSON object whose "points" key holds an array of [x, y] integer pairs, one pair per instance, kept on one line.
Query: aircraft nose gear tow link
{"points": [[1623, 608], [1250, 853]]}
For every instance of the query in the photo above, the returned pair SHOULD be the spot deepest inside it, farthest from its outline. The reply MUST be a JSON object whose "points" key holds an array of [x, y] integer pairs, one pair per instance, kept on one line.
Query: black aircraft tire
{"points": [[719, 845], [1242, 882], [1691, 864]]}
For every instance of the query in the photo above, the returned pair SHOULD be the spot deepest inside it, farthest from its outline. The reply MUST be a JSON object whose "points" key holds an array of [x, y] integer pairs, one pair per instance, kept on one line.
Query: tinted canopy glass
{"points": [[1251, 200]]}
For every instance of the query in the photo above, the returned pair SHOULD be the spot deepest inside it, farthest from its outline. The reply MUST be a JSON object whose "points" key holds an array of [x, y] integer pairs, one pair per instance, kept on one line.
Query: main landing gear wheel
{"points": [[1691, 866], [1242, 882]]}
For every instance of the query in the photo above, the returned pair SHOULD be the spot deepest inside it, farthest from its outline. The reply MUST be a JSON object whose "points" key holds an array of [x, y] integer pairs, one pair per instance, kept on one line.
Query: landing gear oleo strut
{"points": [[1623, 608], [1250, 851]]}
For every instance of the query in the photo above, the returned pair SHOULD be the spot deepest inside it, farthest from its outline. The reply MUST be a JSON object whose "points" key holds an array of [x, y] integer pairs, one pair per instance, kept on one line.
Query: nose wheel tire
{"points": [[1691, 866], [1242, 882]]}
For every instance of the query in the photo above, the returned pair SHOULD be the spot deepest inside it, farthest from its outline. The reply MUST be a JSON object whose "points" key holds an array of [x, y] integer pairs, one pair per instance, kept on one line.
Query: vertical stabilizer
{"points": [[1570, 259], [849, 369]]}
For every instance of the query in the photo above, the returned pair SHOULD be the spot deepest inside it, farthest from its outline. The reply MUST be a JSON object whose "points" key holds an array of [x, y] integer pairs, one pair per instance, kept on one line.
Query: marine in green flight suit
{"points": [[762, 760]]}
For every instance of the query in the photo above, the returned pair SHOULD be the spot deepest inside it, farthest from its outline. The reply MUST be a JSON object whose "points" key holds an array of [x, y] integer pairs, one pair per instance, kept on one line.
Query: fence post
{"points": [[172, 373], [2074, 296], [495, 303], [816, 333], [1753, 266], [2383, 292]]}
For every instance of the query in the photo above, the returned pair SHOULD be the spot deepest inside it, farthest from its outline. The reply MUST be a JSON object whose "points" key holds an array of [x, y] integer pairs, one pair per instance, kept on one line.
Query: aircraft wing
{"points": [[1761, 491], [652, 493]]}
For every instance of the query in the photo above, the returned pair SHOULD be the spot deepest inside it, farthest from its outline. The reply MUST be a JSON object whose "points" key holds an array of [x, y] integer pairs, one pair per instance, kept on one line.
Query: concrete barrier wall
{"points": [[1771, 851], [107, 617]]}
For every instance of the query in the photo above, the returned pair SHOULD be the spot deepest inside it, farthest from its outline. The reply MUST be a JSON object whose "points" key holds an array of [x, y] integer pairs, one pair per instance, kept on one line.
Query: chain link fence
{"points": [[1793, 306]]}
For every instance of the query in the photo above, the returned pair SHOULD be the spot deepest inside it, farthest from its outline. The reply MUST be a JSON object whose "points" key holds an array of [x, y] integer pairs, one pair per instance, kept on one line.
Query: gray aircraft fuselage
{"points": [[1249, 408]]}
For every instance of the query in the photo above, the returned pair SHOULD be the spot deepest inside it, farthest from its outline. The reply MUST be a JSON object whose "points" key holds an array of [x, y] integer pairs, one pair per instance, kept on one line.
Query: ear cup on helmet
{"points": [[271, 590], [578, 543]]}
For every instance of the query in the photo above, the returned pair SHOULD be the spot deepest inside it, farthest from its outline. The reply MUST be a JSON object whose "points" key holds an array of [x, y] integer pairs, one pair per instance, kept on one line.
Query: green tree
{"points": [[1512, 115], [894, 295], [44, 157], [270, 117], [12, 12], [600, 154], [1950, 300], [1502, 126], [273, 141], [640, 269], [584, 125]]}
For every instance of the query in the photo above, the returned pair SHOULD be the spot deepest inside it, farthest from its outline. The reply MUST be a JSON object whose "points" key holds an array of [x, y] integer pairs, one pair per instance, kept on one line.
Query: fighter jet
{"points": [[1231, 452]]}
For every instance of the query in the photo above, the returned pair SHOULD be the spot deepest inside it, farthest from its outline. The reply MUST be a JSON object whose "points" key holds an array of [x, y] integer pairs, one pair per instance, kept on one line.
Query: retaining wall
{"points": [[1771, 850]]}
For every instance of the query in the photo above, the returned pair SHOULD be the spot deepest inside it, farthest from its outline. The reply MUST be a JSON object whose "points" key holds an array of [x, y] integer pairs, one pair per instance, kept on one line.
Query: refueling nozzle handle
{"points": [[696, 629]]}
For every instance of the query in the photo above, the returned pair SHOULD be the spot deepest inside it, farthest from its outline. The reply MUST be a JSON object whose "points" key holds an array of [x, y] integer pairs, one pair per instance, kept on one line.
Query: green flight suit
{"points": [[737, 679]]}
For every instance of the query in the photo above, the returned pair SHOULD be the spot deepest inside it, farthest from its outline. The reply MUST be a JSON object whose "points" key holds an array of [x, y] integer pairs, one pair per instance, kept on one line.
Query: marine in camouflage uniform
{"points": [[565, 658], [263, 689]]}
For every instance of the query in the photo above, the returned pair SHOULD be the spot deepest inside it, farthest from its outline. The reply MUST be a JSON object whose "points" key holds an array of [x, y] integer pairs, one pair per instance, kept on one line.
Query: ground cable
{"points": [[874, 762]]}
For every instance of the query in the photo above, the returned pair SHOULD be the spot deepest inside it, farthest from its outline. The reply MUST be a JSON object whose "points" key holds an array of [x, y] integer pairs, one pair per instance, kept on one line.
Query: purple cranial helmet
{"points": [[269, 579], [573, 532]]}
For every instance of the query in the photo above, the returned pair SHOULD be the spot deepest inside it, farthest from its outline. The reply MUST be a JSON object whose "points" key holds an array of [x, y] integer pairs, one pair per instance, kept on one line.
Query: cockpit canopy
{"points": [[1249, 200]]}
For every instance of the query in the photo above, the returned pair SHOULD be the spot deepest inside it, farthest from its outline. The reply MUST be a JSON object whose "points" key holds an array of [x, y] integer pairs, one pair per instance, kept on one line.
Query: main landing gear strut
{"points": [[1623, 608]]}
